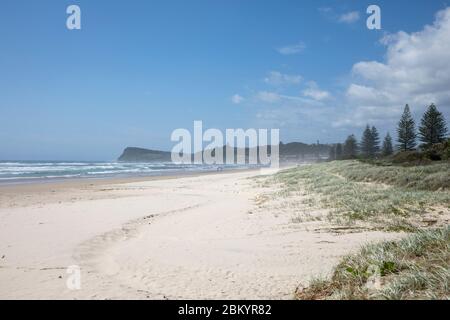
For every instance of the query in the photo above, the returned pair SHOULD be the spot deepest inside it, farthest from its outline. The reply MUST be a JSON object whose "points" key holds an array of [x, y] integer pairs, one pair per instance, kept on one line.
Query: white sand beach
{"points": [[195, 237]]}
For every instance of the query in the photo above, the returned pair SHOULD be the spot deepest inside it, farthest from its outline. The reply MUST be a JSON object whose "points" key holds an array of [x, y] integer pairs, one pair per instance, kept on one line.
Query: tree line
{"points": [[432, 130]]}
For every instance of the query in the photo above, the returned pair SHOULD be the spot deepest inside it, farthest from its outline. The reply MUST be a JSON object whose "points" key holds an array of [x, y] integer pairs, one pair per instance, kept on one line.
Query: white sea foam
{"points": [[32, 170]]}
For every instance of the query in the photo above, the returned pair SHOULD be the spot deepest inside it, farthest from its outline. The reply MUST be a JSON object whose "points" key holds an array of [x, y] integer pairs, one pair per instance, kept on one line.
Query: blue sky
{"points": [[137, 70]]}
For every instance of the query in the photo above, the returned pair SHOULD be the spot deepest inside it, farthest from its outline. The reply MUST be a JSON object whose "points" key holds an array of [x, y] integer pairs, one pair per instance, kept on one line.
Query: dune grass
{"points": [[430, 177], [385, 196], [392, 198], [416, 267]]}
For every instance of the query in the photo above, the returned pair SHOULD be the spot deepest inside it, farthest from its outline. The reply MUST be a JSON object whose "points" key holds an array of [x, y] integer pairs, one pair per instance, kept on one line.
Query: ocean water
{"points": [[34, 171]]}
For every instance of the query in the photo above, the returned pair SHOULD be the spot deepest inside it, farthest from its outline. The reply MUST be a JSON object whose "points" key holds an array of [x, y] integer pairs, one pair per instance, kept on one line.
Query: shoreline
{"points": [[119, 176], [28, 194], [82, 181]]}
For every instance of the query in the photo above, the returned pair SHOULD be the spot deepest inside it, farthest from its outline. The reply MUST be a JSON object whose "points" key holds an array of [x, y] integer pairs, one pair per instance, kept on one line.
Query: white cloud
{"points": [[363, 95], [274, 97], [313, 91], [291, 112], [416, 70], [278, 79], [292, 49], [268, 97], [325, 10], [295, 115], [237, 99], [349, 17]]}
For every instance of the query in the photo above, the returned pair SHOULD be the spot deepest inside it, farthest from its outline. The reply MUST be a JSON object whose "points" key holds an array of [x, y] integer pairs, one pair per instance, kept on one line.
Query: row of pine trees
{"points": [[432, 130]]}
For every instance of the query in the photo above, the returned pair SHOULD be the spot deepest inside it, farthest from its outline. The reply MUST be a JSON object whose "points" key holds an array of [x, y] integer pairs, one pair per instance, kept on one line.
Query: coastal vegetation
{"points": [[416, 267], [379, 186], [432, 134], [411, 199], [390, 198]]}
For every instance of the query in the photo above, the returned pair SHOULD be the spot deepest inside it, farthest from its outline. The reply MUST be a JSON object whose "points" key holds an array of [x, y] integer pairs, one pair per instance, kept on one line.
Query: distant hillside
{"points": [[295, 151], [300, 149], [132, 154]]}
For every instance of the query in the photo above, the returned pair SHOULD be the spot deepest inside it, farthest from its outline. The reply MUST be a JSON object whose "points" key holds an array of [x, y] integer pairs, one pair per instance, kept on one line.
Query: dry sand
{"points": [[205, 236]]}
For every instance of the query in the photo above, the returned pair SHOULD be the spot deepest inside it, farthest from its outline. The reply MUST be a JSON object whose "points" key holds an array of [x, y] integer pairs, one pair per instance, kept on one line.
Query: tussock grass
{"points": [[417, 267], [385, 196], [429, 178]]}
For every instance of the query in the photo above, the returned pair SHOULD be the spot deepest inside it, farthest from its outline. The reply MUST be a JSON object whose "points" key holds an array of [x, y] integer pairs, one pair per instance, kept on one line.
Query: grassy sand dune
{"points": [[416, 267], [390, 198]]}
